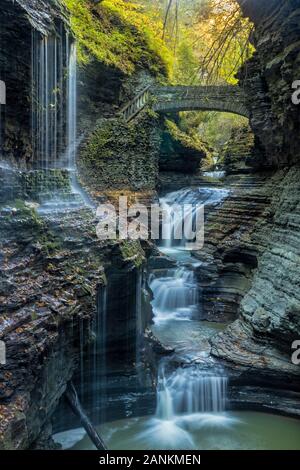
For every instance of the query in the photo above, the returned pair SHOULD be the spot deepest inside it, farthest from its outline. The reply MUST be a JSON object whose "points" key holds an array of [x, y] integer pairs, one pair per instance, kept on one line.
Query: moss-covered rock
{"points": [[179, 151], [37, 185], [117, 33], [132, 252], [122, 155]]}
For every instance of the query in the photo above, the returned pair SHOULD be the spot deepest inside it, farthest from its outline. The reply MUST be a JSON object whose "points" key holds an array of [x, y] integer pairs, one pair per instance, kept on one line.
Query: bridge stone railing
{"points": [[135, 106], [168, 99]]}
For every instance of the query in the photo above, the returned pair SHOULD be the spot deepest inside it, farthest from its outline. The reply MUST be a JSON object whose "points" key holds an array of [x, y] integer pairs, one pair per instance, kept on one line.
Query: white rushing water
{"points": [[214, 174], [73, 141], [187, 396], [188, 400], [54, 100], [55, 138], [189, 390], [48, 109], [72, 107], [175, 296], [181, 209]]}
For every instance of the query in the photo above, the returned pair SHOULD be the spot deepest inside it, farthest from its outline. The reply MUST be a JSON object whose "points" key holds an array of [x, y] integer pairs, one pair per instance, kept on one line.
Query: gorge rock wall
{"points": [[15, 71], [252, 244], [45, 299], [51, 270], [268, 77], [260, 340], [179, 152], [239, 151], [228, 260]]}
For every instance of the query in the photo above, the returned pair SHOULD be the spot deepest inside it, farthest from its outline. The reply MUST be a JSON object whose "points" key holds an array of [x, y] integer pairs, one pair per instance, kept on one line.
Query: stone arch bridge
{"points": [[172, 99]]}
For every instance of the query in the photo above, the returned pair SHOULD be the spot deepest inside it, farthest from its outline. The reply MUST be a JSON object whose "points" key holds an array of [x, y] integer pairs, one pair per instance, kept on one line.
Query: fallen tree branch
{"points": [[73, 401]]}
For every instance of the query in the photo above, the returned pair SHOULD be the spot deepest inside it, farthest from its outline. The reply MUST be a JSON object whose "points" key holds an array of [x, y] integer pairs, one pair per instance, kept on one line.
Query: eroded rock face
{"points": [[239, 151], [268, 78], [45, 298], [51, 270], [260, 341], [42, 14], [229, 256], [15, 37], [252, 253]]}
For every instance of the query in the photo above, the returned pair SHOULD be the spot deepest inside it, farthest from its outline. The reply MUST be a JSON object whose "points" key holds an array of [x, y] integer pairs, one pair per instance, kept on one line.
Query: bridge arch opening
{"points": [[222, 139]]}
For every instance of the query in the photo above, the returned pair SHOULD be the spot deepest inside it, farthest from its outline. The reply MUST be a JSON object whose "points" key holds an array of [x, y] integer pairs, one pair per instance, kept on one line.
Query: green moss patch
{"points": [[119, 34]]}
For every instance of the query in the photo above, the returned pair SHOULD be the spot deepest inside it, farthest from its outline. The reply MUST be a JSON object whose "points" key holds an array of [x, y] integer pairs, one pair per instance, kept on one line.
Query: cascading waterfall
{"points": [[189, 391], [186, 391], [173, 204], [188, 401], [217, 174], [175, 296]]}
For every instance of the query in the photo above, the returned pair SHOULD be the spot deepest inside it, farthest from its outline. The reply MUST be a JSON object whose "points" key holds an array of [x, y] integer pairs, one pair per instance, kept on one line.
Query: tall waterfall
{"points": [[47, 99], [72, 107], [188, 391], [54, 96]]}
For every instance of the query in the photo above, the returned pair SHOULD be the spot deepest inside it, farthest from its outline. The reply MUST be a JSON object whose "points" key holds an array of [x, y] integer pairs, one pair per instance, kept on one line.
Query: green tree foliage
{"points": [[187, 41], [190, 41], [118, 33]]}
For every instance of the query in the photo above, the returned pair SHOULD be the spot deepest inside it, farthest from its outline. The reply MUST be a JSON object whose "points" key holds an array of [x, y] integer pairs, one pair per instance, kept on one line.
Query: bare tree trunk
{"points": [[166, 18]]}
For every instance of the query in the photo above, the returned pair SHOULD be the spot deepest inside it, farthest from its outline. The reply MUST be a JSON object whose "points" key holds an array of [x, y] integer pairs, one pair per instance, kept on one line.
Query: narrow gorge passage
{"points": [[190, 408], [149, 225]]}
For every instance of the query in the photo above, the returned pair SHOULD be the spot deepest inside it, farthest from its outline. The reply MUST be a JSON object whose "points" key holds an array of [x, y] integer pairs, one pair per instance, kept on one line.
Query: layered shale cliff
{"points": [[52, 263], [268, 77], [251, 255], [52, 269]]}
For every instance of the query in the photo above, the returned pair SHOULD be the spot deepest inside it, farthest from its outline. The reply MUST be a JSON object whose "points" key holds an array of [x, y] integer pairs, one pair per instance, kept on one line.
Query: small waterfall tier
{"points": [[188, 391], [175, 296], [193, 198]]}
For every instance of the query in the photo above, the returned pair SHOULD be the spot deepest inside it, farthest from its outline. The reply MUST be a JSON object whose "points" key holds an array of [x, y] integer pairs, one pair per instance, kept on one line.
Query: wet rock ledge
{"points": [[52, 268]]}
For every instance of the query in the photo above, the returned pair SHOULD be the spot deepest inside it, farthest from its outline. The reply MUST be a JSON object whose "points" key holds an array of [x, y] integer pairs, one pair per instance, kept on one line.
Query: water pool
{"points": [[243, 430]]}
